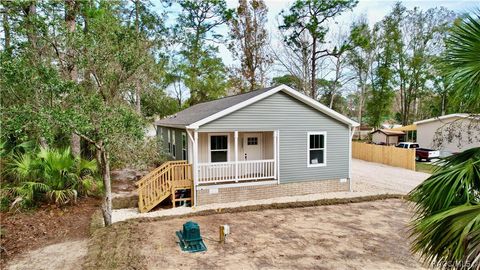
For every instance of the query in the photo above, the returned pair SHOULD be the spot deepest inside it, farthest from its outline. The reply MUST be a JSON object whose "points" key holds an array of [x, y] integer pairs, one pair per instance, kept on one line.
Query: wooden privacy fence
{"points": [[388, 155]]}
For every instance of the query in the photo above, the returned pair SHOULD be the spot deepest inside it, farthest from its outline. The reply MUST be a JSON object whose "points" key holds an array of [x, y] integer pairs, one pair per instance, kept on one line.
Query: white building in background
{"points": [[450, 133]]}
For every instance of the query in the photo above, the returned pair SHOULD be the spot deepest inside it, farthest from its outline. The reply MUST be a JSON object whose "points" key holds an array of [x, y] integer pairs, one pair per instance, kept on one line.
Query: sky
{"points": [[373, 10]]}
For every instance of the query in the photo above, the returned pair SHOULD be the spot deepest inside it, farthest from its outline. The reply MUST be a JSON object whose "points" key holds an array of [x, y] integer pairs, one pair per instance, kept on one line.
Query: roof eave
{"points": [[180, 126], [461, 115]]}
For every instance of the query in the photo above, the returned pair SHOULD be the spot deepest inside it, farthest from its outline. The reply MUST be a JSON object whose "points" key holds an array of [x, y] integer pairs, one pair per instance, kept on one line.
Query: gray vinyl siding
{"points": [[293, 119], [163, 133]]}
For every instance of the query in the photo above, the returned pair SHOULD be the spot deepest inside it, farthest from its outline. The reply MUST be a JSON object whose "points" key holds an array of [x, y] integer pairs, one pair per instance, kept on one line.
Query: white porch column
{"points": [[195, 166], [275, 158], [236, 155]]}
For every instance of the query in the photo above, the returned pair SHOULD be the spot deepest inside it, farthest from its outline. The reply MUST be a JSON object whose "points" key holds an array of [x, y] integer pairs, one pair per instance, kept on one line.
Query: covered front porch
{"points": [[233, 156]]}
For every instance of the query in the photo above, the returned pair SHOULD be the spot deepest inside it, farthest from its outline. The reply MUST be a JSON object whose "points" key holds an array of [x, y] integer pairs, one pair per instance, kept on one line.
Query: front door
{"points": [[252, 145]]}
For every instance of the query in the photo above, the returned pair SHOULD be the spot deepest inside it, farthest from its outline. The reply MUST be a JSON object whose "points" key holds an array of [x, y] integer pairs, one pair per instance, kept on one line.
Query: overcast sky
{"points": [[374, 10]]}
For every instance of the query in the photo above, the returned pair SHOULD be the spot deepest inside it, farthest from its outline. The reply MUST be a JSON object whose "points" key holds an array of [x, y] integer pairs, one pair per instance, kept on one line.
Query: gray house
{"points": [[266, 143]]}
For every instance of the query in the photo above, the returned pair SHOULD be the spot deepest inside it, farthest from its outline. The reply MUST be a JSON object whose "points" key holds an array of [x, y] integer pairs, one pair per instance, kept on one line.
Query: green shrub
{"points": [[49, 174]]}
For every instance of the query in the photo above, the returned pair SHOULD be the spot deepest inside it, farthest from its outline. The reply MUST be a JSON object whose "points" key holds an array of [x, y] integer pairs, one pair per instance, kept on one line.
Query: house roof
{"points": [[202, 113], [390, 132], [443, 117], [202, 110], [405, 128]]}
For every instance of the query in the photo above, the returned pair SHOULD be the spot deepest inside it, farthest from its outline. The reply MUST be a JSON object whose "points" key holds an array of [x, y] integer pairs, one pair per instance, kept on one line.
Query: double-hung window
{"points": [[174, 148], [317, 150], [169, 135], [218, 148], [184, 146]]}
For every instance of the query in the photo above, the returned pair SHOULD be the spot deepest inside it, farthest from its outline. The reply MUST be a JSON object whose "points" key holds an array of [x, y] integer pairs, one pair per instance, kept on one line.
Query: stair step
{"points": [[183, 199]]}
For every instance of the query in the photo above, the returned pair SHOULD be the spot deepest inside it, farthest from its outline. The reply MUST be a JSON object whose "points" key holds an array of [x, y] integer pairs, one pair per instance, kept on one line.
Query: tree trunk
{"points": [[443, 103], [30, 13], [43, 142], [361, 99], [305, 72], [87, 72], [313, 91], [75, 145], [138, 106], [107, 202], [138, 86], [71, 7], [332, 97], [6, 29]]}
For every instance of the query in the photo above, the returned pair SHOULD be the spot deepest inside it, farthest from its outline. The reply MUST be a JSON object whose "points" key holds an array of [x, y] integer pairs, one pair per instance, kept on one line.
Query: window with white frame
{"points": [[218, 148], [316, 149], [169, 141], [184, 146], [174, 148]]}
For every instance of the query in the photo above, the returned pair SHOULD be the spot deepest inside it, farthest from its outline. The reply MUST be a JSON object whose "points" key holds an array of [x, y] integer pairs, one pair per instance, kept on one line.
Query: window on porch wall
{"points": [[174, 147], [218, 148], [184, 146], [169, 141]]}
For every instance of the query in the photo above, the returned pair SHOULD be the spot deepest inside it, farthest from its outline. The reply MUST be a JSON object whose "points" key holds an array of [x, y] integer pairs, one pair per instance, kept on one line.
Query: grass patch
{"points": [[425, 167], [112, 248]]}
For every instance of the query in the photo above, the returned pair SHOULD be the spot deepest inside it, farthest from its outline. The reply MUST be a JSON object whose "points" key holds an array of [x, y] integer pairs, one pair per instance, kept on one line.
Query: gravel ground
{"points": [[367, 179], [369, 176]]}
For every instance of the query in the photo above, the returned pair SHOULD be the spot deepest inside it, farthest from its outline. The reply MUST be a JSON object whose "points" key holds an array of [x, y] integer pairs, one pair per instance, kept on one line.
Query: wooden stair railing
{"points": [[182, 178], [163, 182]]}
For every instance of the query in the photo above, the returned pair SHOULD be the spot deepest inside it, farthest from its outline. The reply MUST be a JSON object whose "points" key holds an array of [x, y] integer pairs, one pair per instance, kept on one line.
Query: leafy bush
{"points": [[49, 174]]}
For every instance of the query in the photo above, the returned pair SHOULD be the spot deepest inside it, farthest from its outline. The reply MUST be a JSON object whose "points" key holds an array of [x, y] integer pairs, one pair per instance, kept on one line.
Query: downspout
{"points": [[352, 132]]}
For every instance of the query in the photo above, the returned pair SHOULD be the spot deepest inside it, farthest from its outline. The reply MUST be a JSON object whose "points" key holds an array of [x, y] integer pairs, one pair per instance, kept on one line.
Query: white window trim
{"points": [[174, 146], [324, 133], [210, 149], [184, 147]]}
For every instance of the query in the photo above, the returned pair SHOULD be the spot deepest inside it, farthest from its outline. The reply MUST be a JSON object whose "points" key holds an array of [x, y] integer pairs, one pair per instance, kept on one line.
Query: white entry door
{"points": [[252, 146]]}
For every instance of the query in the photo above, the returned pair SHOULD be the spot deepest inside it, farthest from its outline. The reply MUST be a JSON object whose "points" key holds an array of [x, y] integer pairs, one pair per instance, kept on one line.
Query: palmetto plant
{"points": [[54, 173], [462, 62], [446, 228]]}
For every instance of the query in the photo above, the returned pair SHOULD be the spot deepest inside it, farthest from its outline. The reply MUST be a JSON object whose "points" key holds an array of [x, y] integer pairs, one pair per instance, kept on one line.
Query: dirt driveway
{"points": [[369, 235], [379, 178]]}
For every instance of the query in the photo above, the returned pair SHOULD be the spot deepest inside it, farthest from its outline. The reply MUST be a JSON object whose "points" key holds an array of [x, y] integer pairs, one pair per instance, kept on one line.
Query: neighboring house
{"points": [[150, 131], [450, 133], [362, 133], [262, 144], [386, 136], [410, 132]]}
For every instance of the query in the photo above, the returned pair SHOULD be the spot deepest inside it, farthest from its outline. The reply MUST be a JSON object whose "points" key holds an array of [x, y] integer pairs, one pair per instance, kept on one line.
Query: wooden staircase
{"points": [[164, 182]]}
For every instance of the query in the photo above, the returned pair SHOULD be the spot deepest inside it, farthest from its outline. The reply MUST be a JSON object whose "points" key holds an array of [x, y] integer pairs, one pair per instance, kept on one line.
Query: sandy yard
{"points": [[368, 235], [66, 255]]}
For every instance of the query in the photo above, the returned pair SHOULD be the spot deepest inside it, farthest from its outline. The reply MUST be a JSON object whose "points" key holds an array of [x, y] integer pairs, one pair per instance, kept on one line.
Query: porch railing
{"points": [[220, 172]]}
